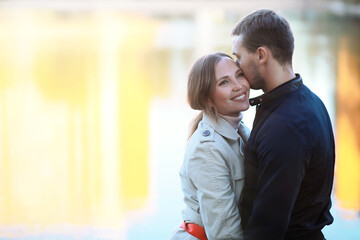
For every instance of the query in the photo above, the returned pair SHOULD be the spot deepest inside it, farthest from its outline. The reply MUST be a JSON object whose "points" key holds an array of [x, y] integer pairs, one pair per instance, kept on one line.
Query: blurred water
{"points": [[94, 119]]}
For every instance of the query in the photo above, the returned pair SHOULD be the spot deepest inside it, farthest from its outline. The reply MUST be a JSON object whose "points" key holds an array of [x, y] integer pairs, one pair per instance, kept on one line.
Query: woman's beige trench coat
{"points": [[212, 179]]}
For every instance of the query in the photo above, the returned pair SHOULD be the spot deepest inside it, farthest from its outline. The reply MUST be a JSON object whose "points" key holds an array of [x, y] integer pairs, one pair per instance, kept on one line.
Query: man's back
{"points": [[289, 164]]}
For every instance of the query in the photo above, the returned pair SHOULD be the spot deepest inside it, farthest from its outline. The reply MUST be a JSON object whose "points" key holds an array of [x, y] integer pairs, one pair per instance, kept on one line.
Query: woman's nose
{"points": [[237, 86]]}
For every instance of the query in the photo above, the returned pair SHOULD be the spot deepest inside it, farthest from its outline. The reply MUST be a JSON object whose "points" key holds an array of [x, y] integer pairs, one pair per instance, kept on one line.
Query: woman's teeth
{"points": [[240, 97]]}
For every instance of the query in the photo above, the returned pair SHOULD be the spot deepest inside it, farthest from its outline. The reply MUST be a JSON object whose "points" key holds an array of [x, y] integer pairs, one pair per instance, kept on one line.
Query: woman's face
{"points": [[230, 95]]}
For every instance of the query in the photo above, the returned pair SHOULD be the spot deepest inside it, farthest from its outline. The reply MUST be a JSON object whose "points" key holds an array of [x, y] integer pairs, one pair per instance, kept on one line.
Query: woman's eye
{"points": [[223, 82], [239, 75]]}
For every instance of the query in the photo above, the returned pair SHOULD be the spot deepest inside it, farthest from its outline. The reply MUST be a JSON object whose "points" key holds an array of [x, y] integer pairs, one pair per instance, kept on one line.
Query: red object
{"points": [[195, 230]]}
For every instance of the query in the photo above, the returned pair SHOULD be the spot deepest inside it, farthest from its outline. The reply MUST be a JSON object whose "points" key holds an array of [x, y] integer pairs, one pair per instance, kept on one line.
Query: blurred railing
{"points": [[344, 7]]}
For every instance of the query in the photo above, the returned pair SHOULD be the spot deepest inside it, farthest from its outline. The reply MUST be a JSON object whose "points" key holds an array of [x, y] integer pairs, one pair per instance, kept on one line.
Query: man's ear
{"points": [[263, 54]]}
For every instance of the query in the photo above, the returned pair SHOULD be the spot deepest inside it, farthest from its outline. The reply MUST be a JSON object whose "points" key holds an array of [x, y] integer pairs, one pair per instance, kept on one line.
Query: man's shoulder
{"points": [[298, 105], [300, 114]]}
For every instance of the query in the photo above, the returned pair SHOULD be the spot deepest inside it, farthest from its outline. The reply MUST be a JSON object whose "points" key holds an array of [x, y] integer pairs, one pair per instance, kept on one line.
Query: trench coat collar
{"points": [[221, 126]]}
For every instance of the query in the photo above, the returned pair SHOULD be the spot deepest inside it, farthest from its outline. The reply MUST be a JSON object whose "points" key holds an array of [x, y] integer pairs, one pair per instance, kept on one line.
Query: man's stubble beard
{"points": [[258, 80]]}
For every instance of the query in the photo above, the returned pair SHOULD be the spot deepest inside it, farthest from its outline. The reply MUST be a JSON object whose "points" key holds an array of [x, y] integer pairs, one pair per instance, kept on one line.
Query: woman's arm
{"points": [[209, 172]]}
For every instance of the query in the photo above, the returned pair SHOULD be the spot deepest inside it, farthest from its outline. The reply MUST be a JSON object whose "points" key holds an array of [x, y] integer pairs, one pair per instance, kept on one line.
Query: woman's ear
{"points": [[263, 54], [209, 103]]}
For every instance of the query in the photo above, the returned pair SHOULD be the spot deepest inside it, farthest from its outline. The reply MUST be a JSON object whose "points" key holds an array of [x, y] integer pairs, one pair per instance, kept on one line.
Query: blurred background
{"points": [[94, 118]]}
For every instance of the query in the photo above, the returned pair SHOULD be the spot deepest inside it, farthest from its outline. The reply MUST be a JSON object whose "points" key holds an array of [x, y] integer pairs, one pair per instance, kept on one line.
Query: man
{"points": [[290, 155]]}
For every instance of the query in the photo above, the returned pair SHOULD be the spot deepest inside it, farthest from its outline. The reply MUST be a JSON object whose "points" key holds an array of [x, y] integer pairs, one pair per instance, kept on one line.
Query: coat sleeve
{"points": [[209, 172], [283, 158]]}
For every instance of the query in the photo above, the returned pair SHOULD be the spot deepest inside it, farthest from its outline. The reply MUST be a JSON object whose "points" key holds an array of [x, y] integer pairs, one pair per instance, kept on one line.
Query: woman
{"points": [[212, 174]]}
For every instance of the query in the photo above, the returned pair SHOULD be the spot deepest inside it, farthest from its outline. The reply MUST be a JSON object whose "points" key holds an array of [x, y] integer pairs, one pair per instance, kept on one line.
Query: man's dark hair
{"points": [[267, 28]]}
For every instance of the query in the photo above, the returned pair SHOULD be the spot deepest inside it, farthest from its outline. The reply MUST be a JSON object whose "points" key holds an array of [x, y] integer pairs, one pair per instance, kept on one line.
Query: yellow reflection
{"points": [[134, 101], [347, 186], [75, 93], [140, 77]]}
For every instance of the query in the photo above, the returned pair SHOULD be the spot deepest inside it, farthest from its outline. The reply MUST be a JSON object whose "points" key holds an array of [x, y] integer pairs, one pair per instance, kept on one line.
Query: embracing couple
{"points": [[272, 183]]}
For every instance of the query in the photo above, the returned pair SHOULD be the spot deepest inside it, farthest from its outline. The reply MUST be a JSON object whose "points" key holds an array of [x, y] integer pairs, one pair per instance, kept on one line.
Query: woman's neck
{"points": [[234, 121]]}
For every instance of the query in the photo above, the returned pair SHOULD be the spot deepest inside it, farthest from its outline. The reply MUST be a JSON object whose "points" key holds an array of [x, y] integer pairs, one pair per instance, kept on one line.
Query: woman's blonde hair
{"points": [[201, 82]]}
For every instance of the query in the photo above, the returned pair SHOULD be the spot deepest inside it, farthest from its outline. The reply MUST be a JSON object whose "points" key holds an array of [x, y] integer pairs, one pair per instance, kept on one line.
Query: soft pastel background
{"points": [[93, 112]]}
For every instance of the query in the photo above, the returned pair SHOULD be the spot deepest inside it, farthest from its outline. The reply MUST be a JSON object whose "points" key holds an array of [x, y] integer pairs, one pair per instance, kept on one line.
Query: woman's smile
{"points": [[230, 95], [239, 98]]}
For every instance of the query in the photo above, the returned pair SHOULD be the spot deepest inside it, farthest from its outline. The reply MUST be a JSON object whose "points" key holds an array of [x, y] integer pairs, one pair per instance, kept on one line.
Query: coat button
{"points": [[206, 133]]}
